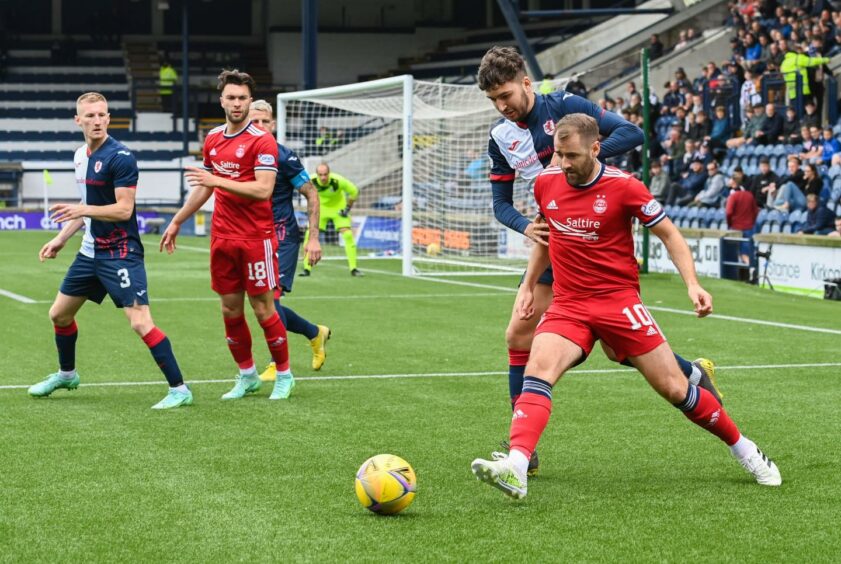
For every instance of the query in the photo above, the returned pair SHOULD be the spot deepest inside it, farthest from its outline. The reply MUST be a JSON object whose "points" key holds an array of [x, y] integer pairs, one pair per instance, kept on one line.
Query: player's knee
{"points": [[60, 317], [230, 311], [518, 337], [674, 390], [263, 310], [141, 326]]}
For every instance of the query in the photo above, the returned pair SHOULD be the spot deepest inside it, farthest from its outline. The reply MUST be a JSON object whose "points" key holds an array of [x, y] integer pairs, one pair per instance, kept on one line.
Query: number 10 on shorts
{"points": [[638, 316], [257, 270]]}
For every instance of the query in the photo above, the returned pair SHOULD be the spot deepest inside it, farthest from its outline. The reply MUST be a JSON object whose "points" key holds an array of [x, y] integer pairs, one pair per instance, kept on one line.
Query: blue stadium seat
{"points": [[775, 227], [786, 227], [766, 228], [708, 216], [763, 150], [778, 150]]}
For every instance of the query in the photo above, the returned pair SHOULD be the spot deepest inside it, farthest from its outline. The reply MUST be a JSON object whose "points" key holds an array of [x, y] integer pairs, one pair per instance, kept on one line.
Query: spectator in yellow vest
{"points": [[547, 86], [794, 62], [167, 78]]}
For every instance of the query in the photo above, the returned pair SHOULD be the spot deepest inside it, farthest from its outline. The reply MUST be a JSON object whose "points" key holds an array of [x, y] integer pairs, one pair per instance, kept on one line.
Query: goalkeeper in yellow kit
{"points": [[336, 195]]}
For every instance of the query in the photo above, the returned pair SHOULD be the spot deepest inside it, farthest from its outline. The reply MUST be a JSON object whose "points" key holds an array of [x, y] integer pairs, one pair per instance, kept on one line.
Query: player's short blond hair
{"points": [[90, 97], [582, 125], [262, 106]]}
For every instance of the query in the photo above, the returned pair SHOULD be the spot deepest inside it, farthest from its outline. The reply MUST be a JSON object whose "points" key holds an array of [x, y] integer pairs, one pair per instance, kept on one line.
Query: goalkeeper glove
{"points": [[345, 212]]}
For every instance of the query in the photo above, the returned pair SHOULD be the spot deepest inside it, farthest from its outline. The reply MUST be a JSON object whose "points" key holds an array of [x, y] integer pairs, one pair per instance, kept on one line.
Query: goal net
{"points": [[417, 151]]}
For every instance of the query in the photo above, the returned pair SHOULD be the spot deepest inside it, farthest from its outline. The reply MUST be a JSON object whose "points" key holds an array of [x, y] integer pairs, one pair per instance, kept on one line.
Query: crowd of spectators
{"points": [[769, 92]]}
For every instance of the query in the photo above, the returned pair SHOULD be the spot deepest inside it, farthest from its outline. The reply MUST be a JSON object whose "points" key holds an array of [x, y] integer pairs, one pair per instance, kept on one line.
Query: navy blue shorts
{"points": [[289, 244], [122, 279], [545, 278]]}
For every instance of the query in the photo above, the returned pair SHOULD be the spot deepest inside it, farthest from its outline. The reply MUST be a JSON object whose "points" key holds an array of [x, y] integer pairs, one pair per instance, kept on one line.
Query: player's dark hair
{"points": [[234, 76], [498, 66], [586, 127]]}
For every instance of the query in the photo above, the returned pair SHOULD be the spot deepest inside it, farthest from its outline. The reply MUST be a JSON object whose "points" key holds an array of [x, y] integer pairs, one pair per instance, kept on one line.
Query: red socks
{"points": [[276, 339], [239, 341], [531, 414], [701, 408]]}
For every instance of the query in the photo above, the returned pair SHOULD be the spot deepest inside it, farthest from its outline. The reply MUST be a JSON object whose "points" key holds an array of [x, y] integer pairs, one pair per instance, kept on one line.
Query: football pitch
{"points": [[416, 367]]}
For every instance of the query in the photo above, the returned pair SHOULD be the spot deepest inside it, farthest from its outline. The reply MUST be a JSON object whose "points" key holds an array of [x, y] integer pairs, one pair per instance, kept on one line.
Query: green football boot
{"points": [[247, 384], [175, 399], [52, 383], [283, 387]]}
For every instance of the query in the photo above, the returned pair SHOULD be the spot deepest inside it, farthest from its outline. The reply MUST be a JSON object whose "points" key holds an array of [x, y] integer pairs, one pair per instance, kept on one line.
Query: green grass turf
{"points": [[95, 475]]}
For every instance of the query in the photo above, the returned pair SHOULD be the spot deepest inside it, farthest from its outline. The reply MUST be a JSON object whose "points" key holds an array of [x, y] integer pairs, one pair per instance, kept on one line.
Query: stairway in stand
{"points": [[143, 65]]}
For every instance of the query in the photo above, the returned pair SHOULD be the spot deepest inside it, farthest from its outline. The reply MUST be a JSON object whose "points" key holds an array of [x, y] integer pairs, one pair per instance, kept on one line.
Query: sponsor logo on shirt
{"points": [[600, 205], [213, 152], [227, 168], [126, 153], [240, 152], [552, 205], [652, 208], [97, 166], [513, 146], [582, 227], [266, 159]]}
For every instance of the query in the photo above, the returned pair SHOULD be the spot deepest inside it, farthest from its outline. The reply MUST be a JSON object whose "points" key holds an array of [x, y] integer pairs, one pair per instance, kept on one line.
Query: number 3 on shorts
{"points": [[638, 317], [124, 279], [257, 270]]}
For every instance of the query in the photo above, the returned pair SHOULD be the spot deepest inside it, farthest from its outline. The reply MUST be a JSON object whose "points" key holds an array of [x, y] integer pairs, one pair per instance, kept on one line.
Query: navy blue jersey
{"points": [[97, 175], [291, 175], [525, 148]]}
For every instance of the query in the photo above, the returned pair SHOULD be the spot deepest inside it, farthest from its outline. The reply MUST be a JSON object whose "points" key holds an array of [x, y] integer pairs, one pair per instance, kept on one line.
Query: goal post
{"points": [[417, 151]]}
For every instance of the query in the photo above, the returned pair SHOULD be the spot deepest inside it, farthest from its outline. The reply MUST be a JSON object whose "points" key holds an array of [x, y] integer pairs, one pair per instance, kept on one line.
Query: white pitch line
{"points": [[295, 299], [17, 297], [434, 375], [189, 248], [654, 308], [754, 321]]}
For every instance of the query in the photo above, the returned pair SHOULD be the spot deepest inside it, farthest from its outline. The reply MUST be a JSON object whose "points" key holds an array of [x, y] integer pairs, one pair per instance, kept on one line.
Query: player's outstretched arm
{"points": [[259, 189], [507, 214], [197, 198], [51, 249], [313, 248], [682, 258], [538, 262], [119, 211]]}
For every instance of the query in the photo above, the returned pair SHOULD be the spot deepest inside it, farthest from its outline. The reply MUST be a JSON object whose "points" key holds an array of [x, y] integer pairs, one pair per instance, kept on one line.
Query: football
{"points": [[386, 484], [433, 249]]}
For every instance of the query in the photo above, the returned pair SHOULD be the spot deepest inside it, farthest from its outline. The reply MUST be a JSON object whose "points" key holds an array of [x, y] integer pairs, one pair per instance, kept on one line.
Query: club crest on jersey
{"points": [[213, 152], [549, 127], [97, 166], [652, 208], [240, 152], [600, 205]]}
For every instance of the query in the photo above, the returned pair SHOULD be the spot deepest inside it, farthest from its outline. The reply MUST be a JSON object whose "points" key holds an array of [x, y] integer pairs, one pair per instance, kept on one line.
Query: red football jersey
{"points": [[237, 157], [590, 242]]}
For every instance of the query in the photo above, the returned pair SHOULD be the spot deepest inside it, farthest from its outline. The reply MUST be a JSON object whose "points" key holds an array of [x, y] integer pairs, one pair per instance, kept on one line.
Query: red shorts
{"points": [[618, 318], [238, 265]]}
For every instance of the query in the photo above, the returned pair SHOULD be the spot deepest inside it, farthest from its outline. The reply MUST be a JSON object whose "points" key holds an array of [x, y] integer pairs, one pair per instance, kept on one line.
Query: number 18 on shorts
{"points": [[239, 265]]}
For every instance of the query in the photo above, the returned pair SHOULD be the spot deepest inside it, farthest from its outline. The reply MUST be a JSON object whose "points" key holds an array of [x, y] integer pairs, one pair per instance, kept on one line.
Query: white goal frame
{"points": [[407, 81]]}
